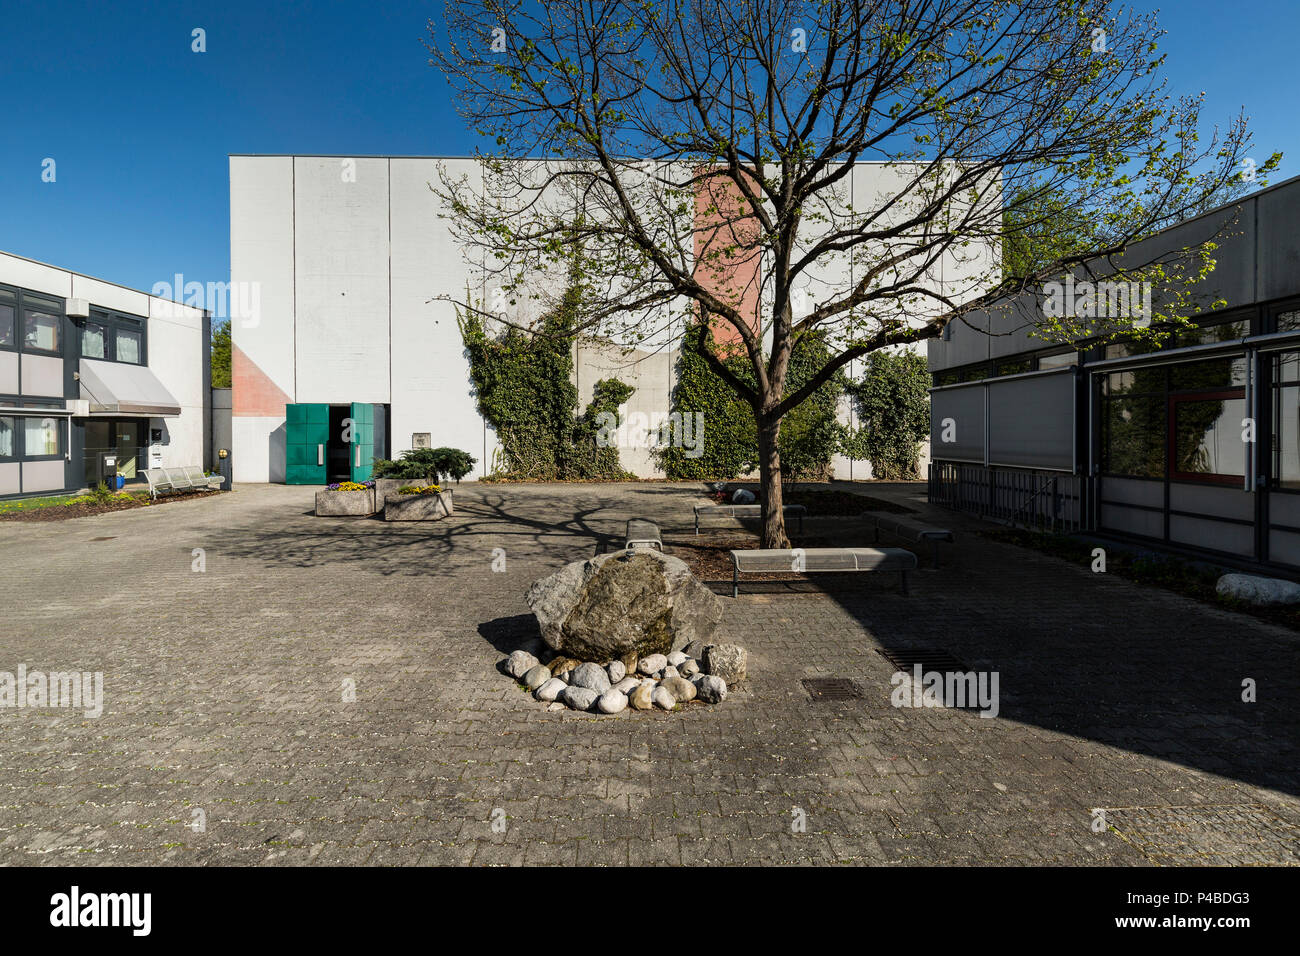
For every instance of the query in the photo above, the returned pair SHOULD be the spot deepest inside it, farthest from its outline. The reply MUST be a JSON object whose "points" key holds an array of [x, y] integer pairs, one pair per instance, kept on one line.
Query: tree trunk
{"points": [[769, 470]]}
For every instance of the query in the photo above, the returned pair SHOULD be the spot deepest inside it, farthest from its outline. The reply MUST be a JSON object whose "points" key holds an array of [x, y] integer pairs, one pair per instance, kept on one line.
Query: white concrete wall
{"points": [[341, 248], [430, 372], [357, 280], [176, 335], [262, 254]]}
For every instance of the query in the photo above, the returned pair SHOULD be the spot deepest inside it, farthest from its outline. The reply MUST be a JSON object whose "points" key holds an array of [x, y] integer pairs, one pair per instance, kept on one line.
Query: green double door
{"points": [[309, 441]]}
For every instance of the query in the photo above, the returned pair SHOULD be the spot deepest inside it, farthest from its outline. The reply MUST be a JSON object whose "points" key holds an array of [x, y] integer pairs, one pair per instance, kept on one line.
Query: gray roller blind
{"points": [[1031, 421], [957, 423]]}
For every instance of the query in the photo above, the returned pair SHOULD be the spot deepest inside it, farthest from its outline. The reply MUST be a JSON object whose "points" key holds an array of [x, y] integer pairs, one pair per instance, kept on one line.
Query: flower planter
{"points": [[354, 503], [430, 507], [386, 488]]}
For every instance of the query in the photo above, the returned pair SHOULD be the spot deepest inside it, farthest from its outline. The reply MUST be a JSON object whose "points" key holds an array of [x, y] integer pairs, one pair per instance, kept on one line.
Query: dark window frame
{"points": [[41, 306], [1187, 396], [17, 442], [112, 321], [61, 440], [8, 293]]}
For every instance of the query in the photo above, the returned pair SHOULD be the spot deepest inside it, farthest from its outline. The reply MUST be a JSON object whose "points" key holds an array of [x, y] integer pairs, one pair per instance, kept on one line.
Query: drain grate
{"points": [[930, 659], [832, 688], [111, 537]]}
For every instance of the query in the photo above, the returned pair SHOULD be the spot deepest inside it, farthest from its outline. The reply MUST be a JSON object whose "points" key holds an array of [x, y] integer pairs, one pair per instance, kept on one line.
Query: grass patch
{"points": [[30, 504]]}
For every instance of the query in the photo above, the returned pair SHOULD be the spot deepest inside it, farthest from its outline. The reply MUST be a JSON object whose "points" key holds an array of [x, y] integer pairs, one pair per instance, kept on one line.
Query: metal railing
{"points": [[1035, 500]]}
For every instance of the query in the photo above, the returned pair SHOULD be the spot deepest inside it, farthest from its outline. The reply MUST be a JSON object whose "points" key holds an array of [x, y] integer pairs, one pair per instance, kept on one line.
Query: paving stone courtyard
{"points": [[224, 703]]}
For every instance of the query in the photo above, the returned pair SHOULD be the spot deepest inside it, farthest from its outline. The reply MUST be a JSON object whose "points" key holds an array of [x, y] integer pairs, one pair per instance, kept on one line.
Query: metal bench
{"points": [[743, 511], [197, 478], [913, 531], [817, 560], [179, 480], [158, 481], [644, 533]]}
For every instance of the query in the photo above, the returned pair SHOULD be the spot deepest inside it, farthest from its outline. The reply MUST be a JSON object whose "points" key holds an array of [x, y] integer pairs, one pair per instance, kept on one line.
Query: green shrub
{"points": [[893, 404], [810, 433], [523, 387], [426, 464]]}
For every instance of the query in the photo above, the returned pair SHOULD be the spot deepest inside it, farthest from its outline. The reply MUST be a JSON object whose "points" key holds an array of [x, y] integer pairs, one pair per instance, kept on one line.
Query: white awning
{"points": [[117, 387]]}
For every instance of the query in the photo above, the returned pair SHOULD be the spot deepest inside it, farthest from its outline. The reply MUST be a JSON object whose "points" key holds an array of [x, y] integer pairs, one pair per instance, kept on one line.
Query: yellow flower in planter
{"points": [[419, 490]]}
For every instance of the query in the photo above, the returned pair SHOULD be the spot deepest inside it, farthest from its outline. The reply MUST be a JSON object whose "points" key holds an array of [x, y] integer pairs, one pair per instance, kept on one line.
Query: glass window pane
{"points": [[1222, 332], [1286, 436], [1013, 366], [1134, 440], [1058, 361], [1207, 437], [128, 346], [6, 323], [1286, 367], [41, 330], [1215, 373], [92, 341], [6, 437], [40, 436], [1288, 321]]}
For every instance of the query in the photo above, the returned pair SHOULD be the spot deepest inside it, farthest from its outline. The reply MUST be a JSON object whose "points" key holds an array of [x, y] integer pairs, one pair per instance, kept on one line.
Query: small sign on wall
{"points": [[420, 439]]}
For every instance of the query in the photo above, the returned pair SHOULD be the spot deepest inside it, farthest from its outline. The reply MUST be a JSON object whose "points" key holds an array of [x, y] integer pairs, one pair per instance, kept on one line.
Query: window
{"points": [[40, 437], [1288, 321], [1211, 374], [6, 321], [1286, 421], [1014, 366], [1223, 332], [1206, 437], [1134, 436], [94, 340], [1063, 360], [41, 330], [127, 346], [6, 437]]}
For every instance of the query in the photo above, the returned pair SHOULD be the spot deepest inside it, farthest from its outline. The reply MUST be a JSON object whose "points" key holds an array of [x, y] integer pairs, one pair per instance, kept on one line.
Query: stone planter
{"points": [[355, 503], [386, 488], [418, 507]]}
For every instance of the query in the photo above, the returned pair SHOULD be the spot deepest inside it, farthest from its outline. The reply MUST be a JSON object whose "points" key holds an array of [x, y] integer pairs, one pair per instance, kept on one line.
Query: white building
{"points": [[353, 270], [96, 380]]}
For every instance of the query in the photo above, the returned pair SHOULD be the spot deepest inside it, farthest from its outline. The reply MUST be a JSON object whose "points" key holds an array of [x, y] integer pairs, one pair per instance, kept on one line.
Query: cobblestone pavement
{"points": [[224, 704]]}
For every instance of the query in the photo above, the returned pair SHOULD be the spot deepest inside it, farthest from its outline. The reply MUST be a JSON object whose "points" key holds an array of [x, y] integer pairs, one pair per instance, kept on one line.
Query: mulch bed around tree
{"points": [[86, 509]]}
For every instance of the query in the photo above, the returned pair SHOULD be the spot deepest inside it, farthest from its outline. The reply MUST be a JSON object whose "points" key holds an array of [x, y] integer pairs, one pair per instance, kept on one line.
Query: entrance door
{"points": [[306, 433], [362, 450], [128, 448], [99, 441]]}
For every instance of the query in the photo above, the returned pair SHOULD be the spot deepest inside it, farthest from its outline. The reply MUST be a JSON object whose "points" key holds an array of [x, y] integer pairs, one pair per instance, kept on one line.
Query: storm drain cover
{"points": [[1243, 834], [831, 688], [109, 538], [930, 659]]}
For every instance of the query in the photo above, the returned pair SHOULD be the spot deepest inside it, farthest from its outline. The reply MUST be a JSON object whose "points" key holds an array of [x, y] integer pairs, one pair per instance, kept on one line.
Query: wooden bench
{"points": [[643, 533], [908, 530], [743, 511], [817, 560]]}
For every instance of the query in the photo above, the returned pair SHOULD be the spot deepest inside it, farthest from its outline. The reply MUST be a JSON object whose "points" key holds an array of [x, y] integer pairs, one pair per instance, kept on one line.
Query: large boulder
{"points": [[1258, 590], [625, 602]]}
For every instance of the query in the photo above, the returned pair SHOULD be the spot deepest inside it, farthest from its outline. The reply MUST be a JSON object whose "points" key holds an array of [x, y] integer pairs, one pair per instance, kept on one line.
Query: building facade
{"points": [[96, 381], [355, 328], [1190, 446]]}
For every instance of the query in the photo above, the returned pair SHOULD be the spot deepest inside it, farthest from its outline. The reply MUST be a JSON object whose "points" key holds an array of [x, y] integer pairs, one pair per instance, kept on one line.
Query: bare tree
{"points": [[701, 155]]}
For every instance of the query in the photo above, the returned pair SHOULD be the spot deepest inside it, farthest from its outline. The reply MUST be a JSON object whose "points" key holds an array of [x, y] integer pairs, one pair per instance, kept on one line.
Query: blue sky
{"points": [[140, 126]]}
